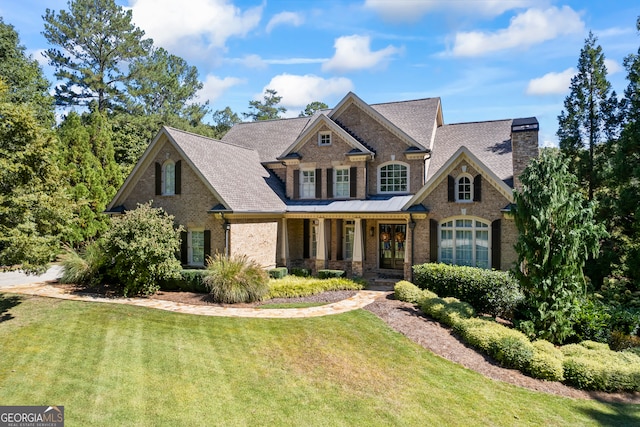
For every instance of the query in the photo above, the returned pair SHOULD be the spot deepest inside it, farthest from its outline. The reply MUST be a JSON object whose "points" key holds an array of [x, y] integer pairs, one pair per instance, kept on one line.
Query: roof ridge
{"points": [[406, 100], [211, 139], [476, 122]]}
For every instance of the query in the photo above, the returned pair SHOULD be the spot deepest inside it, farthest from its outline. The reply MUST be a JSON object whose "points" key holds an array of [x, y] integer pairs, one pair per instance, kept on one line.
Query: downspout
{"points": [[412, 226]]}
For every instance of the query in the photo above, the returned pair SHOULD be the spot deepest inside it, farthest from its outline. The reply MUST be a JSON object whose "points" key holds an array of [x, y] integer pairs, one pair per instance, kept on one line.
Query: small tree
{"points": [[141, 246], [556, 235], [311, 109]]}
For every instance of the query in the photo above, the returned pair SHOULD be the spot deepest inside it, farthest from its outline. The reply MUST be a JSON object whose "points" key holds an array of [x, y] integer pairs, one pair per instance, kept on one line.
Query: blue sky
{"points": [[486, 59]]}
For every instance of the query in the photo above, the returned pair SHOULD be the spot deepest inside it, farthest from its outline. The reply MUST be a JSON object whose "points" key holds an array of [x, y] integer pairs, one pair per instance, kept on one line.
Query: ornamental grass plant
{"points": [[235, 279]]}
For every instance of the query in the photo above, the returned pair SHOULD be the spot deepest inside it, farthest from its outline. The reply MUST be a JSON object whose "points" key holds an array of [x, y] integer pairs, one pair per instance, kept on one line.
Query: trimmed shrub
{"points": [[294, 286], [593, 366], [408, 292], [489, 291], [235, 279], [447, 310], [190, 280], [301, 272], [326, 274], [278, 272], [546, 362]]}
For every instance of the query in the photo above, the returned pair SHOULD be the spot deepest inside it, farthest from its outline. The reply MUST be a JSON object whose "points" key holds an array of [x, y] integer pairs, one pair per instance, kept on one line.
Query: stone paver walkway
{"points": [[360, 300]]}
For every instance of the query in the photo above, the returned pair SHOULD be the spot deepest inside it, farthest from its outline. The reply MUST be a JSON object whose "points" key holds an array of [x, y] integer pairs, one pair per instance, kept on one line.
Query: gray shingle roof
{"points": [[234, 172], [490, 142], [270, 138], [415, 118]]}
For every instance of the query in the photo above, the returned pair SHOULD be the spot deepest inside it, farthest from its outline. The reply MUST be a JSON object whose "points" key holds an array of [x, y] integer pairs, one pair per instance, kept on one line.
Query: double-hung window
{"points": [[196, 247], [342, 187], [349, 238], [308, 184]]}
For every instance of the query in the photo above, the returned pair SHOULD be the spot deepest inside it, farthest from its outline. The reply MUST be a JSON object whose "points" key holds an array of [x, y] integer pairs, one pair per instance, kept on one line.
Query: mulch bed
{"points": [[410, 321]]}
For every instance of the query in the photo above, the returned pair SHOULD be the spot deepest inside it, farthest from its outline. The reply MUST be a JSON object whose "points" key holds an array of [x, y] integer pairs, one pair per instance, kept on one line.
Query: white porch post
{"points": [[284, 243], [357, 263], [358, 249], [321, 249]]}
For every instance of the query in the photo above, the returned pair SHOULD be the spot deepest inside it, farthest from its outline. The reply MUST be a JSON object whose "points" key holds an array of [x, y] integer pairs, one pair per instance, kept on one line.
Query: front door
{"points": [[392, 245]]}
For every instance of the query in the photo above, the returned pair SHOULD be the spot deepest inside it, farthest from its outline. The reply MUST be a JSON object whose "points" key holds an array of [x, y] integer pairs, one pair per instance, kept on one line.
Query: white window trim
{"points": [[172, 191], [320, 138], [190, 247], [473, 229], [457, 188], [302, 184], [379, 178], [335, 182]]}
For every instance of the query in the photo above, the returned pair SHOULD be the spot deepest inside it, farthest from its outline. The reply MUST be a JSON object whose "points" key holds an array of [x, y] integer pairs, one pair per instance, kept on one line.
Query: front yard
{"points": [[123, 365]]}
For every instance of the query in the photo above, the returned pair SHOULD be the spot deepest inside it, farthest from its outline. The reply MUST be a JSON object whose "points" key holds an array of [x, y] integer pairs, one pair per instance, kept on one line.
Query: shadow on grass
{"points": [[620, 415], [7, 303]]}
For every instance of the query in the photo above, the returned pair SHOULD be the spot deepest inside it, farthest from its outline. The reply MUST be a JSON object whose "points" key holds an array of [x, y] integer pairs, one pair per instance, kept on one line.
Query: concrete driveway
{"points": [[12, 278]]}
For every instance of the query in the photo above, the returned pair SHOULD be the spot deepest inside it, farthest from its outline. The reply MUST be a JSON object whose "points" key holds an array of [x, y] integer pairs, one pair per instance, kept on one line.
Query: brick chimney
{"points": [[524, 145]]}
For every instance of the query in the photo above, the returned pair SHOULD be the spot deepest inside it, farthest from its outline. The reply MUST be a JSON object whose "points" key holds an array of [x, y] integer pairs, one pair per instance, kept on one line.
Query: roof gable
{"points": [[315, 126], [462, 154], [233, 174], [352, 99]]}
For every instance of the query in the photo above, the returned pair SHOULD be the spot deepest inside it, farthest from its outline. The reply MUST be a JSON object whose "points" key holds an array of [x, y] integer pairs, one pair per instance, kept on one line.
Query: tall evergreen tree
{"points": [[34, 210], [267, 109], [24, 78], [626, 173], [223, 121], [590, 117], [96, 40], [311, 108], [556, 234]]}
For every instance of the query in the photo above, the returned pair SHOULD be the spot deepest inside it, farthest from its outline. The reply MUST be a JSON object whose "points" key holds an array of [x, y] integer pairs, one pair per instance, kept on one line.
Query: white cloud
{"points": [[354, 53], [612, 66], [283, 18], [414, 10], [552, 83], [203, 23], [298, 91], [531, 27], [214, 87]]}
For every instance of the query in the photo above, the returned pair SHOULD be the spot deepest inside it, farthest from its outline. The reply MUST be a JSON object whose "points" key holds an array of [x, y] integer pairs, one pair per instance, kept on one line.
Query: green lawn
{"points": [[121, 365]]}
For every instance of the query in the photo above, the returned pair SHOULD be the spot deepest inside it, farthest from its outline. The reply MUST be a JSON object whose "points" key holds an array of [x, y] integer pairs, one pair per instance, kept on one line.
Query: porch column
{"points": [[357, 265], [321, 250], [284, 243]]}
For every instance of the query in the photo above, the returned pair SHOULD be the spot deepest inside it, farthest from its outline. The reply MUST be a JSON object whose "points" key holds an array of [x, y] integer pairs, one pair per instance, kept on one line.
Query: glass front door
{"points": [[392, 245]]}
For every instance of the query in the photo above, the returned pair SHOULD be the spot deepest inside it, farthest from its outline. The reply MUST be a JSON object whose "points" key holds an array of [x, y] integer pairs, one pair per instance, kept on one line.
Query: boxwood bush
{"points": [[191, 280], [408, 292], [326, 274], [489, 291], [278, 272]]}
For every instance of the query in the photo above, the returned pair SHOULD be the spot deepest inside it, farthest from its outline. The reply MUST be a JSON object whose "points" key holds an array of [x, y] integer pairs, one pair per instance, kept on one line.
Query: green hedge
{"points": [[294, 286], [489, 291], [278, 272], [189, 281], [592, 366], [327, 274], [301, 272]]}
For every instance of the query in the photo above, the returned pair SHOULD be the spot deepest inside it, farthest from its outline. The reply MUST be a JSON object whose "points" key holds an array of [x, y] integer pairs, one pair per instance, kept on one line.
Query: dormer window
{"points": [[324, 138]]}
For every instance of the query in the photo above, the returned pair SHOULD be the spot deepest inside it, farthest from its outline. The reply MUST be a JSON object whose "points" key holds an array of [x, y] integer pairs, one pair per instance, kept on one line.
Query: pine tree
{"points": [[96, 38], [556, 234], [590, 117]]}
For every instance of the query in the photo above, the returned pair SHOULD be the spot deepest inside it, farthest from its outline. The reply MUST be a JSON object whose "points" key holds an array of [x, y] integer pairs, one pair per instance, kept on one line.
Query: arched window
{"points": [[465, 241], [464, 188], [393, 178], [169, 178]]}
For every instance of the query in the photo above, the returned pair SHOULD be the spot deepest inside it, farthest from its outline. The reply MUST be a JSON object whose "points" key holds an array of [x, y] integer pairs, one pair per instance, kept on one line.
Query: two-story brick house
{"points": [[370, 189]]}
